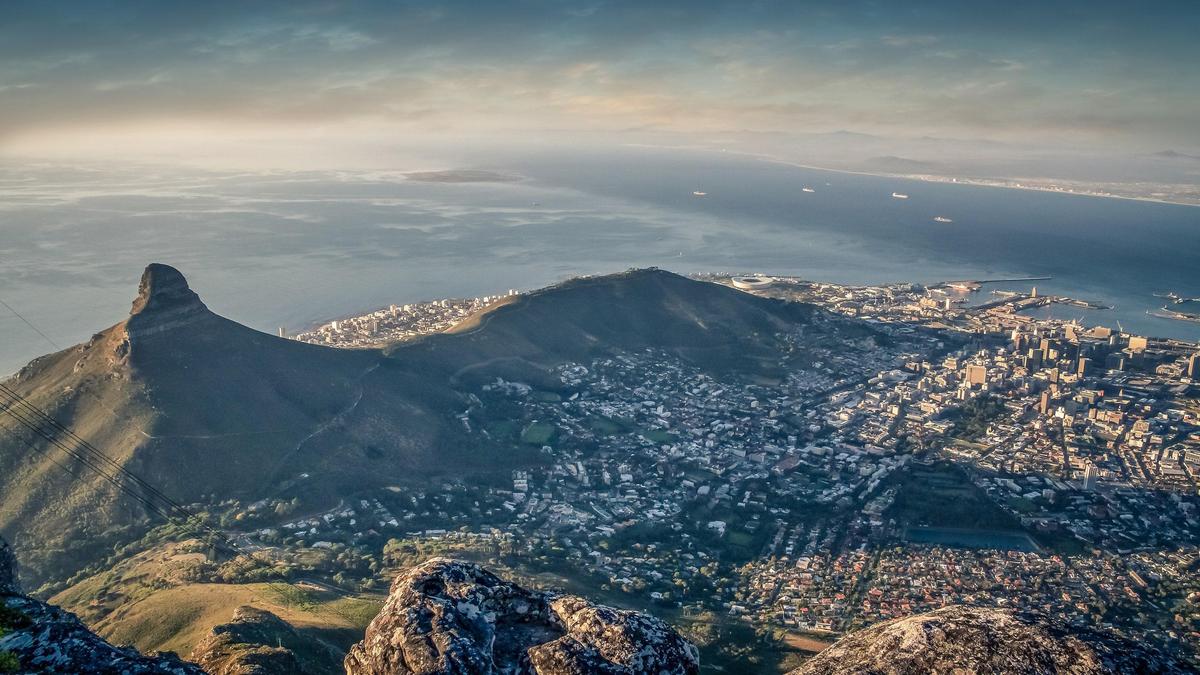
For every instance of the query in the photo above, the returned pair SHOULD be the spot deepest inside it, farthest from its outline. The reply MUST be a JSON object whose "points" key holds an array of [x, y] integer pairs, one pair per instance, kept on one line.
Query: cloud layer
{"points": [[1115, 73]]}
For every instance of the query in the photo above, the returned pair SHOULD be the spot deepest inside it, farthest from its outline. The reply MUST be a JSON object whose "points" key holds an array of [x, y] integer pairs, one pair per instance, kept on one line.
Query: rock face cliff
{"points": [[8, 570], [164, 302], [985, 641], [40, 638], [449, 616]]}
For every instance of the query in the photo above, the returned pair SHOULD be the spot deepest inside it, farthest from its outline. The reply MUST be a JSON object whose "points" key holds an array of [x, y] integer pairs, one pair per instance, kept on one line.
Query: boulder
{"points": [[981, 641], [451, 616]]}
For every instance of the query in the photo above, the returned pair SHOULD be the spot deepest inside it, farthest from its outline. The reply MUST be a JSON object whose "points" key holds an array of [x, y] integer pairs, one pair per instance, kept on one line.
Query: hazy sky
{"points": [[128, 74]]}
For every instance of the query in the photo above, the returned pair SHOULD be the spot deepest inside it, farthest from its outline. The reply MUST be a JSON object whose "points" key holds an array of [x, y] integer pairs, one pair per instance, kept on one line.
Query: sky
{"points": [[122, 76]]}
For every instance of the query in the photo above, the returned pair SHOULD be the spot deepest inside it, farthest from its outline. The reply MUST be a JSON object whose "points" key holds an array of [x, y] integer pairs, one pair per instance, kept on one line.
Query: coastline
{"points": [[922, 178]]}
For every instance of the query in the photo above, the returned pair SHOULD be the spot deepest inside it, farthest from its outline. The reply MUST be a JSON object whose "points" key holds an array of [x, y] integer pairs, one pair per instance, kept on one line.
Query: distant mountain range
{"points": [[205, 409], [1173, 154]]}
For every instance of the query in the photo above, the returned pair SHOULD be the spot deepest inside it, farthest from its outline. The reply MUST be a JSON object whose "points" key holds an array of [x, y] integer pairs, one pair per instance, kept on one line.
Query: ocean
{"points": [[292, 248]]}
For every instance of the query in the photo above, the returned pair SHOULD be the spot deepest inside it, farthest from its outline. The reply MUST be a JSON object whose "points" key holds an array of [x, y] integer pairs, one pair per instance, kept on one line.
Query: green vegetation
{"points": [[943, 496], [971, 421], [359, 612], [10, 620], [740, 539], [606, 426], [1022, 505], [539, 433], [731, 645], [294, 597], [659, 436]]}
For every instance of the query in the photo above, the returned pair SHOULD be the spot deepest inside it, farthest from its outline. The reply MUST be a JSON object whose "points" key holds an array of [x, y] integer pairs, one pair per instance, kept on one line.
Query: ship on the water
{"points": [[698, 193], [898, 195], [942, 219], [807, 189]]}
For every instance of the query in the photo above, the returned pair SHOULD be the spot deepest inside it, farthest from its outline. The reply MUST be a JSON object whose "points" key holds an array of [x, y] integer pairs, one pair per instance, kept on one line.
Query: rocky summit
{"points": [[450, 616], [254, 642], [164, 302], [40, 638], [962, 640]]}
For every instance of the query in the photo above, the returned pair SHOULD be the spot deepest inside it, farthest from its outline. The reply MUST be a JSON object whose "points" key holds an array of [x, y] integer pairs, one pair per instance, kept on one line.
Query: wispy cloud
{"points": [[69, 67]]}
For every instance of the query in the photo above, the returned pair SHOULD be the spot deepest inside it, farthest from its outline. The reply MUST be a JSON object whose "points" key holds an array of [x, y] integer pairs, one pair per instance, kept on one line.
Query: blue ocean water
{"points": [[290, 248]]}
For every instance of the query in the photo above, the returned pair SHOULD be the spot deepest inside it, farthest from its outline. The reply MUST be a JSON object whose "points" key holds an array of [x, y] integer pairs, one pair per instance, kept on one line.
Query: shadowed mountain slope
{"points": [[205, 409], [191, 402], [716, 327]]}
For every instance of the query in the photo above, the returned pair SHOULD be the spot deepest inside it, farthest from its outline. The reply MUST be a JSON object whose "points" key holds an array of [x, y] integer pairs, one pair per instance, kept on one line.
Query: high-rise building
{"points": [[1084, 362], [1138, 343], [1089, 477], [1044, 402], [1035, 359], [976, 374], [1193, 368]]}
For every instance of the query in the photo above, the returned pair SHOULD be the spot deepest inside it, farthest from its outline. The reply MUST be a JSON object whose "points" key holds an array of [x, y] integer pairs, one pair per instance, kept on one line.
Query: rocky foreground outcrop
{"points": [[40, 638], [962, 640], [252, 643], [450, 616]]}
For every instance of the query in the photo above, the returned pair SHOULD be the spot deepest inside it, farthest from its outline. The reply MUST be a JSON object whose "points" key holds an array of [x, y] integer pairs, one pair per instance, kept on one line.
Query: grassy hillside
{"points": [[154, 602]]}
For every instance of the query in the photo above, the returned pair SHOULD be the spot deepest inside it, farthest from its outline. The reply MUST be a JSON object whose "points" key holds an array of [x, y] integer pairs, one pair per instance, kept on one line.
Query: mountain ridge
{"points": [[203, 407]]}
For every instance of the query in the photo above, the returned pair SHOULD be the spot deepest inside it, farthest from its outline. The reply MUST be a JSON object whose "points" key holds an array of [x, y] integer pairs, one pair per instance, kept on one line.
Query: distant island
{"points": [[461, 176]]}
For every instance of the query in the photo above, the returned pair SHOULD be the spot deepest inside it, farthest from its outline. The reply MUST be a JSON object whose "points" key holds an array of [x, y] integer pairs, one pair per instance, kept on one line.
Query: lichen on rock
{"points": [[45, 639], [985, 641], [450, 616]]}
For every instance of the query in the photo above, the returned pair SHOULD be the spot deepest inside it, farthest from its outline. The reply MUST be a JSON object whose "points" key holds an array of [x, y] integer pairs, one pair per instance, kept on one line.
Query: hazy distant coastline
{"points": [[1180, 194], [314, 245], [1189, 198]]}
